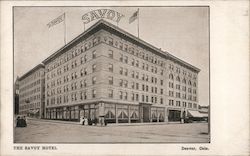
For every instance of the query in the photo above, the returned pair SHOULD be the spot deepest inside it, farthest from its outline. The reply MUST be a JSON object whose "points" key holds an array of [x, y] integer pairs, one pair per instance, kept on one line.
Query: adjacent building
{"points": [[16, 96], [107, 72], [31, 92]]}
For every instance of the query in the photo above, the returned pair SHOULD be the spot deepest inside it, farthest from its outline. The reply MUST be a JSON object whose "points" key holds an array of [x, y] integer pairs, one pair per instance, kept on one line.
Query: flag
{"points": [[57, 20], [134, 16]]}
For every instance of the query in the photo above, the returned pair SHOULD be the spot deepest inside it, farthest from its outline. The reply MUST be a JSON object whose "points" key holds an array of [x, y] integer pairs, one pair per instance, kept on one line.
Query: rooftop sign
{"points": [[102, 13]]}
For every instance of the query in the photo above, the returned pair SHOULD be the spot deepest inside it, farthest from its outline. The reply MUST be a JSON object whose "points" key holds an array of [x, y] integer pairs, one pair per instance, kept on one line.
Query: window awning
{"points": [[33, 111], [36, 111], [196, 114]]}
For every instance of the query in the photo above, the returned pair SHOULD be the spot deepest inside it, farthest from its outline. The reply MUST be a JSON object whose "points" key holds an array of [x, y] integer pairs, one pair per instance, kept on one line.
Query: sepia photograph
{"points": [[111, 74]]}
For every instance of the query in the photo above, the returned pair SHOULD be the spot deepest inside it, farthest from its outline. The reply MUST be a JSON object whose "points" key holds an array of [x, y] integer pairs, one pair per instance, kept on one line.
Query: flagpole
{"points": [[64, 28], [138, 23]]}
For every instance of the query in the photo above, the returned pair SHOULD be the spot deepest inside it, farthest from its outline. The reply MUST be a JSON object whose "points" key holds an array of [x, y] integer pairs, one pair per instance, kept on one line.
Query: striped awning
{"points": [[196, 114]]}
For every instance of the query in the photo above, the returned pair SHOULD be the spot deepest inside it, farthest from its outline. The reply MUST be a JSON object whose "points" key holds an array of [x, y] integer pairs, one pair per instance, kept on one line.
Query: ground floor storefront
{"points": [[111, 112]]}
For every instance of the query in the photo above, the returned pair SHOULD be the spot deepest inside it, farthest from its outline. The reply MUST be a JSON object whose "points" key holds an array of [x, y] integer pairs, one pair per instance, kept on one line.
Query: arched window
{"points": [[171, 76], [189, 82], [194, 84], [178, 78], [184, 81]]}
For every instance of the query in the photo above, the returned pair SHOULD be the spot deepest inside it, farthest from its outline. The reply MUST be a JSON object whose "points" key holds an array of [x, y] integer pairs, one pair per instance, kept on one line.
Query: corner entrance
{"points": [[174, 115], [145, 112]]}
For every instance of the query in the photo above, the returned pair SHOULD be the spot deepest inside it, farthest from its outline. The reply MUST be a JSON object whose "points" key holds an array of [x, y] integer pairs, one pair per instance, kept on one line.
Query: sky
{"points": [[181, 31]]}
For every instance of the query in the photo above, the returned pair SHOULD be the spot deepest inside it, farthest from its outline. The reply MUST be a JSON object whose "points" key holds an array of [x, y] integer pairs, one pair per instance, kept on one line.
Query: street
{"points": [[42, 131]]}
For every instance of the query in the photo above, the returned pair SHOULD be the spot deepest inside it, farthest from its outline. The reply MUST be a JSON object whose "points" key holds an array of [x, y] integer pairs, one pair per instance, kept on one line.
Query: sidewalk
{"points": [[113, 124]]}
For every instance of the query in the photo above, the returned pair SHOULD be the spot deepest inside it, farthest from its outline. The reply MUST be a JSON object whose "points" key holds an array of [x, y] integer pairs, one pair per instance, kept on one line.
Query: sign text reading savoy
{"points": [[102, 13]]}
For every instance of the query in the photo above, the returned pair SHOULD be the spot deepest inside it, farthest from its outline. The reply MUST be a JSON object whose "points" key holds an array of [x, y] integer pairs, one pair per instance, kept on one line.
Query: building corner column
{"points": [[129, 120]]}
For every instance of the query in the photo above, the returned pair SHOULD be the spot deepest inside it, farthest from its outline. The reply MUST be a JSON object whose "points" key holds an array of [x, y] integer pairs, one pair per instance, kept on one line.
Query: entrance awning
{"points": [[195, 114]]}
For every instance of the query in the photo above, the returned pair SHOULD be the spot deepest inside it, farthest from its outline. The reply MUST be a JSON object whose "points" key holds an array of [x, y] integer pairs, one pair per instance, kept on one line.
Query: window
{"points": [[120, 82], [121, 57], [121, 70], [137, 86], [161, 72], [189, 83], [194, 84], [125, 83], [184, 96], [94, 54], [177, 86], [161, 101], [126, 72], [161, 91], [85, 58], [161, 82], [178, 103], [137, 75], [178, 78], [111, 41], [178, 95], [184, 104], [93, 80], [133, 85], [143, 98], [96, 40], [171, 76], [195, 105], [82, 49], [120, 94], [184, 88], [156, 70], [85, 71], [137, 63], [121, 45], [171, 85], [194, 91], [110, 93], [137, 97], [133, 62], [110, 67], [110, 80], [110, 54], [171, 102], [133, 97], [133, 74], [94, 68], [85, 95], [143, 66], [190, 105], [84, 83], [126, 59], [125, 95], [93, 93], [184, 81], [126, 47]]}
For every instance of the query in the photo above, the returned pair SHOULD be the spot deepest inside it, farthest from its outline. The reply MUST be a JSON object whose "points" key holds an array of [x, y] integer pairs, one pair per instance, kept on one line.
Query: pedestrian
{"points": [[18, 122], [82, 120], [22, 122], [85, 121], [105, 122]]}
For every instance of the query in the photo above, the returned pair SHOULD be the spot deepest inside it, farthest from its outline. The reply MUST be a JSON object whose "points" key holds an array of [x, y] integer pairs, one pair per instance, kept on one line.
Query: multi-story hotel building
{"points": [[31, 92], [106, 71]]}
